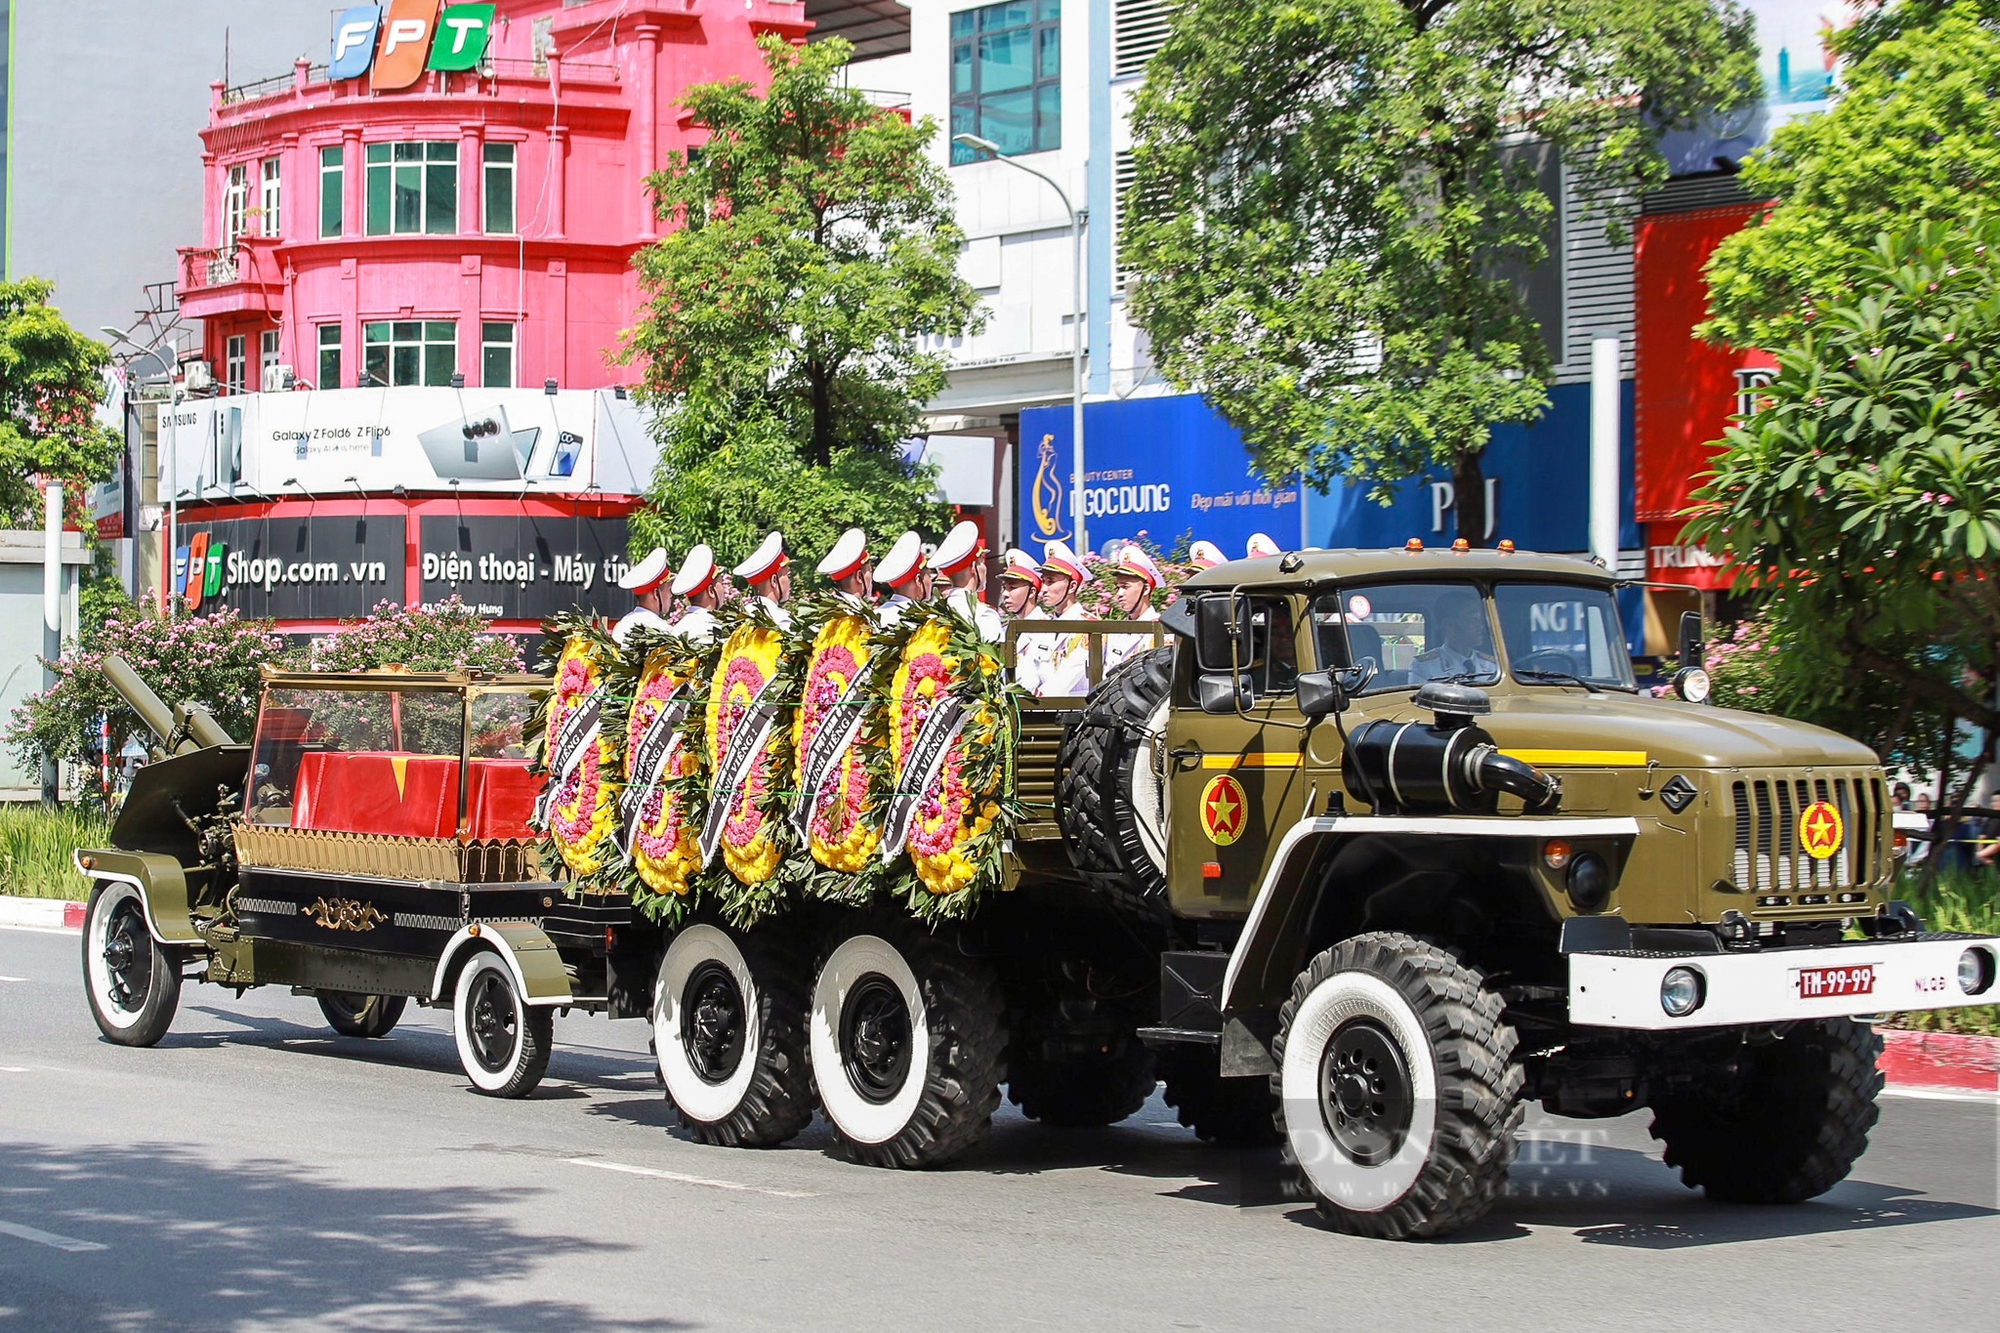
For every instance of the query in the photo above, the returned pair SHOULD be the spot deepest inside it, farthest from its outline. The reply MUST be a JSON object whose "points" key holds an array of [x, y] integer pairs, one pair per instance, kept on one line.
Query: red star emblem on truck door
{"points": [[1222, 810], [1820, 830]]}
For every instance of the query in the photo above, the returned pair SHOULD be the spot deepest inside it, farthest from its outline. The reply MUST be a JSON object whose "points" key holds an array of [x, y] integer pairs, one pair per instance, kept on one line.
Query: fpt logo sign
{"points": [[394, 44]]}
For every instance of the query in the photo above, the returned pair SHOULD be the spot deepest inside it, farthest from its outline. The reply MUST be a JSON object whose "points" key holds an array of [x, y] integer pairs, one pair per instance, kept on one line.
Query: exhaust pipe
{"points": [[1451, 766]]}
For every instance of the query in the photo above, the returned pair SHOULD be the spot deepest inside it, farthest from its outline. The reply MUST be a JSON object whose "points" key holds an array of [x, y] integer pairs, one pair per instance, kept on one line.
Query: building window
{"points": [[496, 356], [267, 359], [273, 197], [329, 356], [235, 205], [235, 362], [412, 189], [1006, 76], [331, 204], [409, 351], [500, 189]]}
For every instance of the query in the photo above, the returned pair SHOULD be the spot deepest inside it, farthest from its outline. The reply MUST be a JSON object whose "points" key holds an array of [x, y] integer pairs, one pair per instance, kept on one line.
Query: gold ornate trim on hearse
{"points": [[385, 856]]}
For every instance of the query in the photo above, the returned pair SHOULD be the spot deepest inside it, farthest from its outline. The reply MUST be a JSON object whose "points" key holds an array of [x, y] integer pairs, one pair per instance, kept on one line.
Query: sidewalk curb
{"points": [[40, 913]]}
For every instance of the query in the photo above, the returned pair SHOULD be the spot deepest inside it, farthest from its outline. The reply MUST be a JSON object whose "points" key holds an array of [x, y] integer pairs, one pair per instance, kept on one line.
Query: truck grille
{"points": [[1772, 863]]}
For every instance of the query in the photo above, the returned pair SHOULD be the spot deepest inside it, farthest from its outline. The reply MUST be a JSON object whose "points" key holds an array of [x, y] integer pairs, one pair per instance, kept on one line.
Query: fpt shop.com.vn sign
{"points": [[394, 44]]}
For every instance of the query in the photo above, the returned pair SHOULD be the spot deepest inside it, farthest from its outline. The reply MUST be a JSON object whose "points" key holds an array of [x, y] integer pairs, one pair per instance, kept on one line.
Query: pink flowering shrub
{"points": [[443, 636]]}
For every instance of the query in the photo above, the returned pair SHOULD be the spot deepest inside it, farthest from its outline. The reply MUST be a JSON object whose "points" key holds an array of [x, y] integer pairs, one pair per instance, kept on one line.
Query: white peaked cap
{"points": [[1206, 554], [1018, 564], [849, 553], [765, 561], [1059, 558], [648, 574], [1261, 543], [697, 572], [903, 560], [1132, 559], [960, 547]]}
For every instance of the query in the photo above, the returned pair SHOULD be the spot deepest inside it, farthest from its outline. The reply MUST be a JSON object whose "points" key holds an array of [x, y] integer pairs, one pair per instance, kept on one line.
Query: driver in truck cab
{"points": [[1464, 648]]}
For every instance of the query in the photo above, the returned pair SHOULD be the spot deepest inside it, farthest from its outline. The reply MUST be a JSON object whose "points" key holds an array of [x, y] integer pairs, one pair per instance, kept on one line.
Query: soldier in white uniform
{"points": [[846, 568], [1205, 555], [1065, 666], [904, 574], [1138, 578], [960, 560], [1462, 647], [768, 576], [1020, 585], [1261, 543], [648, 582], [696, 582]]}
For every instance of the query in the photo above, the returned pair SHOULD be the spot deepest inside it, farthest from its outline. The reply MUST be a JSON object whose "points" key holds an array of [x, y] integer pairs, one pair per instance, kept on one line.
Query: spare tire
{"points": [[1111, 788]]}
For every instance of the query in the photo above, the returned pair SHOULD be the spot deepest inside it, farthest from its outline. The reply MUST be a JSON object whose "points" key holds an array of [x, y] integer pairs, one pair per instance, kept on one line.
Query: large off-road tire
{"points": [[134, 985], [1085, 1090], [1228, 1112], [907, 1046], [355, 1015], [729, 1028], [1400, 1094], [1780, 1122], [1111, 788], [503, 1041]]}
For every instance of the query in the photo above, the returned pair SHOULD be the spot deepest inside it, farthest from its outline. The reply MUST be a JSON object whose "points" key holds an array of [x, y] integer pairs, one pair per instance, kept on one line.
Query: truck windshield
{"points": [[1562, 634], [1413, 632]]}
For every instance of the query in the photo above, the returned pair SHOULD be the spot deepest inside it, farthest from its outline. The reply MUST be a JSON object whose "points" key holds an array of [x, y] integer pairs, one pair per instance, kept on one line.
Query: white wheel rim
{"points": [[96, 968], [696, 1097], [1149, 789], [864, 1121], [1333, 1173], [482, 1077]]}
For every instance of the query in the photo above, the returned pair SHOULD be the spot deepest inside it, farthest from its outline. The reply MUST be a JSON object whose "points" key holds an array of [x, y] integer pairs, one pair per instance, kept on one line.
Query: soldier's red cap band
{"points": [[666, 577], [1063, 567], [765, 575], [849, 572], [704, 585], [964, 561]]}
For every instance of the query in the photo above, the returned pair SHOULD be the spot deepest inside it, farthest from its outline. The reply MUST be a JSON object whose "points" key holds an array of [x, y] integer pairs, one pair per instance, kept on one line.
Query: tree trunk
{"points": [[821, 452], [1468, 484]]}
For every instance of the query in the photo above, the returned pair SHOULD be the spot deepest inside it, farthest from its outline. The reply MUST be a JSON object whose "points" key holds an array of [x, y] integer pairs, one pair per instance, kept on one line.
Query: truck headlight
{"points": [[1975, 971], [1692, 684], [1589, 882], [1681, 991]]}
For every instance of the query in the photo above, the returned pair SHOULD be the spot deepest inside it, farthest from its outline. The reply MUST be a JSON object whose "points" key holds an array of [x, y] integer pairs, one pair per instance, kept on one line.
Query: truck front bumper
{"points": [[1630, 989]]}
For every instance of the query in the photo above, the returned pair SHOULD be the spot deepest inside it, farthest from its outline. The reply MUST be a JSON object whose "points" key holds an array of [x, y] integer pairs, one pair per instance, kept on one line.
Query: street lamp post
{"points": [[988, 151]]}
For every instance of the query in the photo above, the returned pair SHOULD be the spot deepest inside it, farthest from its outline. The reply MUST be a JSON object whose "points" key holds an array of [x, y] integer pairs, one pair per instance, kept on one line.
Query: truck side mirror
{"points": [[1224, 693], [1690, 648], [1222, 632], [1320, 694]]}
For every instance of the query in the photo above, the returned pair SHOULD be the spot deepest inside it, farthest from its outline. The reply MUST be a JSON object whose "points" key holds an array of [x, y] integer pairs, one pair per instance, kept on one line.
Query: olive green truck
{"points": [[1377, 848]]}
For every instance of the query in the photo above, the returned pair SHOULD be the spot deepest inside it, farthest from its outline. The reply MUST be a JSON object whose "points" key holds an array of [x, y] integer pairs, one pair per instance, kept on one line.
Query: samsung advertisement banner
{"points": [[416, 440]]}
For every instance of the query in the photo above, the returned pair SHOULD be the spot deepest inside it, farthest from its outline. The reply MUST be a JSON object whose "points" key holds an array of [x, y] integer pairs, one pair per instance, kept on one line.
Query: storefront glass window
{"points": [[329, 356], [1006, 76], [330, 201], [496, 349], [409, 351], [499, 158], [412, 189]]}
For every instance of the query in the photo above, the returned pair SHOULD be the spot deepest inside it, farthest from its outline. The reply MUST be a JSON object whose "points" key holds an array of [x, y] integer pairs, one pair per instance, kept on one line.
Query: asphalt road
{"points": [[255, 1172]]}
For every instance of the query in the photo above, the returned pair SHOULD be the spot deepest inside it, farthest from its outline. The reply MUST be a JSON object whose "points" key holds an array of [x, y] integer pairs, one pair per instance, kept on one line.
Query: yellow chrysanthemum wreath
{"points": [[843, 837], [750, 844], [582, 809]]}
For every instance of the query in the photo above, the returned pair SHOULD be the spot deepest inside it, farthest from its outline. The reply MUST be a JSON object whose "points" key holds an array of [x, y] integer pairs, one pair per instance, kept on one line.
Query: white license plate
{"points": [[1827, 983]]}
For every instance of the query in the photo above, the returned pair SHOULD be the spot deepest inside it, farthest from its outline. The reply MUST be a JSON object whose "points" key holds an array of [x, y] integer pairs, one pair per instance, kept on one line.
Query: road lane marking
{"points": [[680, 1179], [68, 1244], [13, 1069], [13, 978], [1943, 1094]]}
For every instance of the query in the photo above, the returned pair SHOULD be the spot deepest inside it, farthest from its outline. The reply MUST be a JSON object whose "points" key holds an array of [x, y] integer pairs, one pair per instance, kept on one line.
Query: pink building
{"points": [[479, 223]]}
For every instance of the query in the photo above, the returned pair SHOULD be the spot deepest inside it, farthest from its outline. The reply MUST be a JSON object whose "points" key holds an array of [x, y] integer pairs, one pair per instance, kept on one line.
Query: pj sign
{"points": [[395, 43]]}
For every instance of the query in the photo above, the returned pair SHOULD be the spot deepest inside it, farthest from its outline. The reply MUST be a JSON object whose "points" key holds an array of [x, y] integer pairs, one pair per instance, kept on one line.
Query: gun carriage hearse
{"points": [[1374, 849]]}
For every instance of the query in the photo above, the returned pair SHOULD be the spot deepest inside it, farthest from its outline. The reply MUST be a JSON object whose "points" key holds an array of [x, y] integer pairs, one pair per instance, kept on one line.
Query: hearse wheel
{"points": [[134, 985], [1399, 1094], [352, 1014], [1774, 1120], [907, 1046], [729, 1028], [503, 1042]]}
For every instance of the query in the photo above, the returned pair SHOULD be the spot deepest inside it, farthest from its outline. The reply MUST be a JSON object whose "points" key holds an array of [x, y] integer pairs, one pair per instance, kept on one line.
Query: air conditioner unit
{"points": [[196, 377], [281, 377]]}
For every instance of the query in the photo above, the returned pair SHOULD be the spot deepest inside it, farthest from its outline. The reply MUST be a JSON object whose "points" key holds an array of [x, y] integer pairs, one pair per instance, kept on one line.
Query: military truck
{"points": [[1375, 849]]}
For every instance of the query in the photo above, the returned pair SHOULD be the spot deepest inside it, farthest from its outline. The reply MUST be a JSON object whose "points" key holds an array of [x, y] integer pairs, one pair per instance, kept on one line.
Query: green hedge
{"points": [[1959, 900]]}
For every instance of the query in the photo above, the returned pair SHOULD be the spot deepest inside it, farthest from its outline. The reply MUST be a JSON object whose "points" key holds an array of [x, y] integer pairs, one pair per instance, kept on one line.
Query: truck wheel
{"points": [[134, 985], [1085, 1091], [1230, 1112], [503, 1042], [907, 1047], [729, 1025], [1111, 789], [1399, 1093], [1781, 1122], [355, 1015]]}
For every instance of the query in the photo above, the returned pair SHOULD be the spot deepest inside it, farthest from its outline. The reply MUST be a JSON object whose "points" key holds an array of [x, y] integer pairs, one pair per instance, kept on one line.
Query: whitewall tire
{"points": [[134, 985], [729, 1030], [503, 1041]]}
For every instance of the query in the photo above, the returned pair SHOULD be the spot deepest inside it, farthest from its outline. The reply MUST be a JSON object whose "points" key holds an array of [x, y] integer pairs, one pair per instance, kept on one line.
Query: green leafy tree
{"points": [[810, 247], [51, 378], [1914, 135], [1864, 497], [1331, 203]]}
